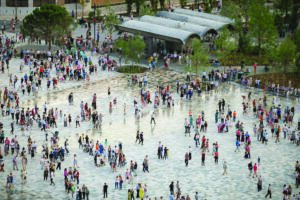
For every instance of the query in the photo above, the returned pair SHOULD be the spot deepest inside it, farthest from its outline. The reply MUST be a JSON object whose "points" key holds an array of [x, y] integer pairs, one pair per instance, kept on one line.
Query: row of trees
{"points": [[143, 8], [256, 31]]}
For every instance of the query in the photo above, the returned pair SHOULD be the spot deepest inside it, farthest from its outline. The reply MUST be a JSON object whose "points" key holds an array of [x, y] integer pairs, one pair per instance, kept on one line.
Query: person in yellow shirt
{"points": [[141, 193]]}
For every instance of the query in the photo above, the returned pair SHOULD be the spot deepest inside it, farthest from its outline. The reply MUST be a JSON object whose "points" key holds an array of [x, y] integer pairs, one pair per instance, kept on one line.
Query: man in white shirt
{"points": [[197, 197]]}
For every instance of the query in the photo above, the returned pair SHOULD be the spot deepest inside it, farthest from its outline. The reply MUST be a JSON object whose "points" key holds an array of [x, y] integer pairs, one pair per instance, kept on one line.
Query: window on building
{"points": [[38, 3], [17, 3]]}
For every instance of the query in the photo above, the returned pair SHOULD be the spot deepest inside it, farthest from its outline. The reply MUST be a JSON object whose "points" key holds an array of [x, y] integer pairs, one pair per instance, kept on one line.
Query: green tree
{"points": [[295, 19], [286, 53], [234, 10], [129, 5], [226, 55], [283, 6], [297, 39], [98, 15], [222, 39], [146, 10], [49, 22], [182, 3], [162, 4], [91, 15], [138, 4], [261, 24], [154, 4], [231, 10], [244, 43], [226, 48], [200, 55], [271, 55], [132, 48], [287, 12], [83, 5], [297, 43], [110, 21]]}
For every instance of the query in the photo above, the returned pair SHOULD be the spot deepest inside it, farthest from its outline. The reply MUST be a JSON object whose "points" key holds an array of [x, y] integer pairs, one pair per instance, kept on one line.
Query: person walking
{"points": [[171, 186], [51, 178], [105, 187], [15, 163], [216, 156], [224, 168], [152, 118], [250, 168], [237, 146], [137, 138], [141, 138], [203, 158], [77, 121], [259, 184], [255, 167], [108, 91], [23, 176], [186, 159], [269, 192], [197, 196]]}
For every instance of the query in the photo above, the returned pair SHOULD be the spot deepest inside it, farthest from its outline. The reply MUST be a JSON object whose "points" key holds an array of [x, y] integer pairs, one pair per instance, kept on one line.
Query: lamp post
{"points": [[95, 22], [16, 9], [76, 10]]}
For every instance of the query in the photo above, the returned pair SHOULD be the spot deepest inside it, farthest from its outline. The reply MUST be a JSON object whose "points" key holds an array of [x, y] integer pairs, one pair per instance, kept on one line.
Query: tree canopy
{"points": [[138, 4], [146, 10], [110, 21], [286, 53], [225, 48], [49, 22], [231, 10], [287, 12], [199, 56], [131, 48], [261, 24]]}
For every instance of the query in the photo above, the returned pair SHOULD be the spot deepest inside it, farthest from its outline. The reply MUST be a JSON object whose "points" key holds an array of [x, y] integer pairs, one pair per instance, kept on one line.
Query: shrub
{"points": [[131, 69]]}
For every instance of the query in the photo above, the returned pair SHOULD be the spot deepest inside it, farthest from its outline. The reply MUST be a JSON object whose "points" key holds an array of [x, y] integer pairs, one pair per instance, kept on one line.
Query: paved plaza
{"points": [[277, 160], [120, 124]]}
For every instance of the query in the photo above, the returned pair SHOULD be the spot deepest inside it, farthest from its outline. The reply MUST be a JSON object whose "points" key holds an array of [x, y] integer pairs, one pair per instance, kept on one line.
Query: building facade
{"points": [[20, 8]]}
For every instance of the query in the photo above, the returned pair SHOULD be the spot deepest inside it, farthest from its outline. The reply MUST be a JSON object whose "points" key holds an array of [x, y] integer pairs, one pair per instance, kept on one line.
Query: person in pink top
{"points": [[6, 147], [255, 167], [254, 68]]}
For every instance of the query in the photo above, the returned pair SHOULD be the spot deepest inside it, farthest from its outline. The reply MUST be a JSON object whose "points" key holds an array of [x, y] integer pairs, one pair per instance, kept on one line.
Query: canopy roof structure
{"points": [[156, 31], [203, 15], [178, 26], [170, 23], [192, 19]]}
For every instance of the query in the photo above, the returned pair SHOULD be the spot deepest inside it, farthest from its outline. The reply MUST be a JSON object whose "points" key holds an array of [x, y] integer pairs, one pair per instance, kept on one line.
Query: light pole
{"points": [[95, 22], [76, 10], [16, 8]]}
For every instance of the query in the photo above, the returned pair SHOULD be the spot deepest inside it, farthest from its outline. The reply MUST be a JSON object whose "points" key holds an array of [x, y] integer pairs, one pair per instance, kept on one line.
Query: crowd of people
{"points": [[41, 69]]}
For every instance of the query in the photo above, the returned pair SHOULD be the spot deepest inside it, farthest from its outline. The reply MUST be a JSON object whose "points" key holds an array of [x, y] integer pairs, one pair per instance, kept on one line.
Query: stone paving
{"points": [[277, 159]]}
